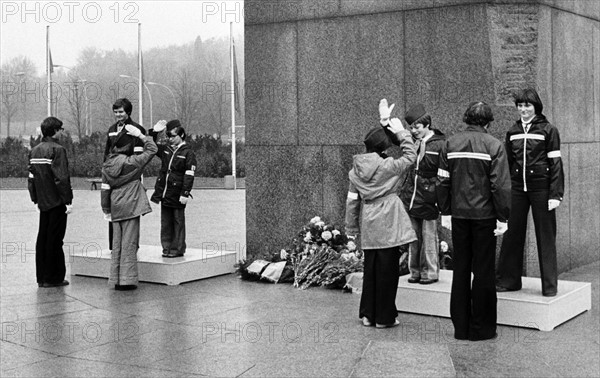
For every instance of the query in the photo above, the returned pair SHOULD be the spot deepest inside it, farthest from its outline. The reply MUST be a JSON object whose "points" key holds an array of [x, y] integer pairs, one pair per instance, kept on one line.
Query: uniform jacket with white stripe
{"points": [[113, 136], [123, 196], [49, 182], [473, 177], [176, 176], [534, 157], [418, 190]]}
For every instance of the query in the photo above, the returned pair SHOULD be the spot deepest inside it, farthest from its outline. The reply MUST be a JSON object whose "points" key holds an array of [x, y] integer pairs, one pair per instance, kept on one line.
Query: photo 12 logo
{"points": [[71, 11]]}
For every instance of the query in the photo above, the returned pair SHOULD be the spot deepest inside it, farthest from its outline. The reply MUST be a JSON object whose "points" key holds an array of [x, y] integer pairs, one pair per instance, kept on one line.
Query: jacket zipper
{"points": [[169, 172], [525, 161], [412, 200]]}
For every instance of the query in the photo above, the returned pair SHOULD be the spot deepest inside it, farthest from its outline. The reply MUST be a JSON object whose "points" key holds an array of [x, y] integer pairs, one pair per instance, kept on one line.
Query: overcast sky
{"points": [[108, 25]]}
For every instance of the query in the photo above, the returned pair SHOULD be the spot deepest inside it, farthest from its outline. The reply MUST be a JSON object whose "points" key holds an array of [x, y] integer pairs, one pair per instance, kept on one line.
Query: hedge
{"points": [[86, 156]]}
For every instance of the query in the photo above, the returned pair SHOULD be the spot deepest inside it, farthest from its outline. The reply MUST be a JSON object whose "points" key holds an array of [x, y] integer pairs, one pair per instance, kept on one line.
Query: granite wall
{"points": [[315, 71]]}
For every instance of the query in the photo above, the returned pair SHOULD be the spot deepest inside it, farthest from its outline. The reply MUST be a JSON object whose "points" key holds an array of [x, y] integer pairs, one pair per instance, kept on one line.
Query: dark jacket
{"points": [[123, 195], [540, 157], [418, 190], [49, 182], [473, 180], [176, 176], [373, 207], [113, 136]]}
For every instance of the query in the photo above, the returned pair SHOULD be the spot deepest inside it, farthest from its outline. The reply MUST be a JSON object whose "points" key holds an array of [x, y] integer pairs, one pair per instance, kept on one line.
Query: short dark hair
{"points": [[125, 104], [50, 126], [531, 96], [478, 113], [425, 120]]}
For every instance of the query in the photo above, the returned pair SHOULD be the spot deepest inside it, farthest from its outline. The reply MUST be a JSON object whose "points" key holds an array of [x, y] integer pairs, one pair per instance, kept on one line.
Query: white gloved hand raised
{"points": [[395, 125], [385, 112], [447, 221], [183, 200], [501, 228], [133, 131], [69, 209], [160, 126], [553, 204]]}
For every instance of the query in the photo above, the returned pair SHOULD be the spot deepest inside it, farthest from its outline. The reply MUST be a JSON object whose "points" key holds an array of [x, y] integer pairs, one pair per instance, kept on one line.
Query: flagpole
{"points": [[232, 107], [48, 72], [140, 77]]}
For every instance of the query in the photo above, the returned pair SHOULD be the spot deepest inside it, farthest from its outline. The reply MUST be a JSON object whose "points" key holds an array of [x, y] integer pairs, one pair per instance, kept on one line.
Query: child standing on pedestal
{"points": [[418, 195], [173, 186]]}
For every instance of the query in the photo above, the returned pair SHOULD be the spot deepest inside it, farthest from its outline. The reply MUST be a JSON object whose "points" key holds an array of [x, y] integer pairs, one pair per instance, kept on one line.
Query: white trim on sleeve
{"points": [[554, 154]]}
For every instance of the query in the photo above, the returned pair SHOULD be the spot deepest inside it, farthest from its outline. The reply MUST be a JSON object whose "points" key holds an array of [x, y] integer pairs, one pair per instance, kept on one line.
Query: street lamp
{"points": [[170, 91], [149, 95], [21, 76]]}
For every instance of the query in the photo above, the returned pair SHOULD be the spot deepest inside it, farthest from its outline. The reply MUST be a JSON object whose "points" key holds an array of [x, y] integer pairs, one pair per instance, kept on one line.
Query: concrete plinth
{"points": [[524, 308], [194, 265]]}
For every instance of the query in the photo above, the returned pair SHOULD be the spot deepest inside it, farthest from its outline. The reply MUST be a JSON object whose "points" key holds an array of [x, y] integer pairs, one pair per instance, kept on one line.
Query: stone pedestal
{"points": [[194, 265], [524, 308]]}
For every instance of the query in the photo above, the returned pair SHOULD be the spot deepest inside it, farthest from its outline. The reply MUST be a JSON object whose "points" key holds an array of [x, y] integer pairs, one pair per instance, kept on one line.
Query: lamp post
{"points": [[170, 91], [21, 76], [149, 96]]}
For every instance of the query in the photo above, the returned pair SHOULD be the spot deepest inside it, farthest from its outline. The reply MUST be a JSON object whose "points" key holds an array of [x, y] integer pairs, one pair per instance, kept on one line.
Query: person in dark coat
{"points": [[173, 185], [374, 210], [49, 187], [533, 148], [418, 195], [124, 201], [473, 186], [122, 109]]}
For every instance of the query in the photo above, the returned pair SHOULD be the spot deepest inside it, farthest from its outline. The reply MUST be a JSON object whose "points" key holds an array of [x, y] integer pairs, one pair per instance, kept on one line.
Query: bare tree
{"points": [[188, 98], [76, 105], [15, 75]]}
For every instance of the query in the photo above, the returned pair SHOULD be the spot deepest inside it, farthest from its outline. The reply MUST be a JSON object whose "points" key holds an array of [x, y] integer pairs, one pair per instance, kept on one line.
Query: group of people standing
{"points": [[123, 195], [484, 186], [479, 187]]}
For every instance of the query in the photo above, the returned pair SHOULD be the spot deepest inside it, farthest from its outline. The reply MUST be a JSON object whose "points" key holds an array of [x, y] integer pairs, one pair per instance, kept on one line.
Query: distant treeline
{"points": [[86, 155]]}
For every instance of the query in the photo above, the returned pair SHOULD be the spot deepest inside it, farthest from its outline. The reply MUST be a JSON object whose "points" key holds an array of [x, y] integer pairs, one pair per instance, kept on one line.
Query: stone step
{"points": [[196, 264], [524, 308]]}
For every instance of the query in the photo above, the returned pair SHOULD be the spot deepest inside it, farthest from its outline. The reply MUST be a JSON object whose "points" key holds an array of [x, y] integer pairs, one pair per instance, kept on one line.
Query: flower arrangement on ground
{"points": [[321, 254]]}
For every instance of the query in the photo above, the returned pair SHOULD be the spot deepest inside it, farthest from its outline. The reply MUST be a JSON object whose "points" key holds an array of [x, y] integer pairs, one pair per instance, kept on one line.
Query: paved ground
{"points": [[227, 327]]}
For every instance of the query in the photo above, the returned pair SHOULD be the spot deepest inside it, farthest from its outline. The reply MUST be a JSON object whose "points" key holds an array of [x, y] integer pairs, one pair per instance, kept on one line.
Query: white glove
{"points": [[183, 200], [160, 126], [385, 112], [395, 125], [69, 209], [553, 204], [447, 221], [501, 228], [36, 207], [108, 217], [133, 131]]}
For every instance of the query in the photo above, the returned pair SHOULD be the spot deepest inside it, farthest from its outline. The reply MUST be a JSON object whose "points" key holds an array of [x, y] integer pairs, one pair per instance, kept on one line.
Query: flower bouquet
{"points": [[320, 255]]}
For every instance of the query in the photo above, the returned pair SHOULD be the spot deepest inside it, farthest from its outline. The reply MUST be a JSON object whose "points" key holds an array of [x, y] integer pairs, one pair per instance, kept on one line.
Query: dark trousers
{"points": [[172, 230], [380, 284], [510, 263], [49, 256], [473, 304], [110, 236]]}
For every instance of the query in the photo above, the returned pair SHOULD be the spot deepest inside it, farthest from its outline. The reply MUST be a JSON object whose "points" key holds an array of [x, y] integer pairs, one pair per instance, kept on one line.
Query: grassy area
{"points": [[82, 183]]}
